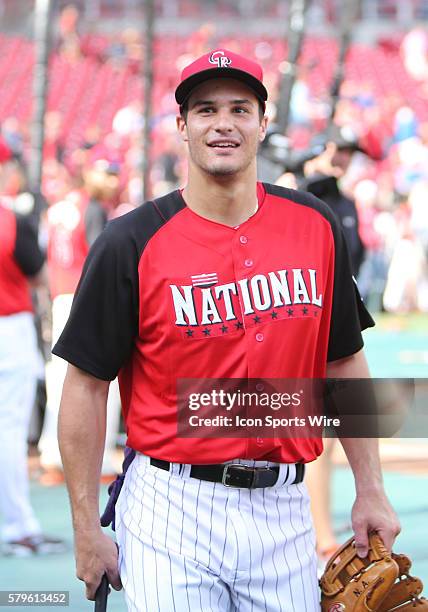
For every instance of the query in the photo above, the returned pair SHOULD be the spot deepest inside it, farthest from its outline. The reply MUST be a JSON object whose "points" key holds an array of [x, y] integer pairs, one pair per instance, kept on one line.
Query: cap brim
{"points": [[185, 88]]}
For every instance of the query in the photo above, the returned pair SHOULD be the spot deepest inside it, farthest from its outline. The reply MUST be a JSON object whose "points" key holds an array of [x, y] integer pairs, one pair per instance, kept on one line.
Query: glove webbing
{"points": [[407, 588]]}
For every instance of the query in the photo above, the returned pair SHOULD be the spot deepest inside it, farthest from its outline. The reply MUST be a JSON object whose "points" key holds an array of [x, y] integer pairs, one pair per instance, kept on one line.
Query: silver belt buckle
{"points": [[235, 465]]}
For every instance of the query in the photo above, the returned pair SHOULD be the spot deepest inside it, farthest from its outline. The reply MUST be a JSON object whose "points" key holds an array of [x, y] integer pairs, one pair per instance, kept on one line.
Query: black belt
{"points": [[235, 474]]}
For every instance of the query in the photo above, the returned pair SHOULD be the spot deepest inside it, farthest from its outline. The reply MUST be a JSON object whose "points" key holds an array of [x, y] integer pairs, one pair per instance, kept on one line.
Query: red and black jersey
{"points": [[20, 257], [167, 294]]}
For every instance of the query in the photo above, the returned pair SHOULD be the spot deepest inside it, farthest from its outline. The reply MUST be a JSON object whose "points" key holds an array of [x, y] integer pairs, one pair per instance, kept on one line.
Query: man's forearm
{"points": [[363, 457], [81, 434], [362, 453], [371, 510]]}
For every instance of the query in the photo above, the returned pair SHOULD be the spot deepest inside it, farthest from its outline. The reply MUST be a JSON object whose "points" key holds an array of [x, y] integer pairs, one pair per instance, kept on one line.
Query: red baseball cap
{"points": [[218, 64]]}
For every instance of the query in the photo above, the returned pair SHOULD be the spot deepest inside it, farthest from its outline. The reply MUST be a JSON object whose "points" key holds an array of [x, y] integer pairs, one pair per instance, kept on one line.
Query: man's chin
{"points": [[222, 170]]}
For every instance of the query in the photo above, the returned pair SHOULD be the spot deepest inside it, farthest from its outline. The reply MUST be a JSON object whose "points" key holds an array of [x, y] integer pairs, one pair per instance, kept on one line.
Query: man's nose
{"points": [[223, 121]]}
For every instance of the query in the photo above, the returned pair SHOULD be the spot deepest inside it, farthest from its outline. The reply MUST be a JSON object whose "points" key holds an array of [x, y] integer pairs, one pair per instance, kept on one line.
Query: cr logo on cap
{"points": [[219, 58]]}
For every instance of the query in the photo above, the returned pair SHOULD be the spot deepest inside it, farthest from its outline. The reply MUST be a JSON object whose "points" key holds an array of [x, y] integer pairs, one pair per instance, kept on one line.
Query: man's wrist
{"points": [[370, 488], [87, 522], [81, 531]]}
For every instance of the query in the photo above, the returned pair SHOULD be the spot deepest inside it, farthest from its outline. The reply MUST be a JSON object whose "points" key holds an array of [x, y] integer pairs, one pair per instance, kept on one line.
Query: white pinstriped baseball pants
{"points": [[18, 378], [187, 545]]}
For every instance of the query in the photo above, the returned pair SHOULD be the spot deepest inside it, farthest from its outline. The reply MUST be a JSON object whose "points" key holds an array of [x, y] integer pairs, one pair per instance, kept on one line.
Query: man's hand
{"points": [[372, 512], [96, 554]]}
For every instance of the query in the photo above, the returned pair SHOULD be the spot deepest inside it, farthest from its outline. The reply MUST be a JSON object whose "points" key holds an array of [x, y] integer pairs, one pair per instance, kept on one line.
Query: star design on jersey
{"points": [[223, 329], [305, 310], [290, 312], [256, 319], [206, 332], [239, 325], [274, 314], [189, 333]]}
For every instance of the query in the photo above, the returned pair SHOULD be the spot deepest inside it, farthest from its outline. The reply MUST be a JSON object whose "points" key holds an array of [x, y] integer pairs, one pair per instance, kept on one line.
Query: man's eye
{"points": [[240, 109], [206, 109]]}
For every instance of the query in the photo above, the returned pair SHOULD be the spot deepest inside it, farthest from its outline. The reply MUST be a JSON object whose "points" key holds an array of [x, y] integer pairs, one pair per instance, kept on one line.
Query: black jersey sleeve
{"points": [[103, 320], [27, 252], [349, 316]]}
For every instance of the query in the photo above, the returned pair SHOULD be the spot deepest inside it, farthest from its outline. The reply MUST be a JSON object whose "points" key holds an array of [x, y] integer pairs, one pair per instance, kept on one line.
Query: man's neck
{"points": [[228, 200]]}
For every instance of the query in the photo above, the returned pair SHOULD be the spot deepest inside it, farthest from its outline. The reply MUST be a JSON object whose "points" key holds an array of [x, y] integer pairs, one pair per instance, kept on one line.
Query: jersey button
{"points": [[260, 387], [260, 337], [259, 441], [248, 263], [243, 239]]}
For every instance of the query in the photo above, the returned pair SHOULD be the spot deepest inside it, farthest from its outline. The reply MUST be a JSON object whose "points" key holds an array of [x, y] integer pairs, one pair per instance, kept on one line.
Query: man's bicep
{"points": [[353, 366], [80, 380]]}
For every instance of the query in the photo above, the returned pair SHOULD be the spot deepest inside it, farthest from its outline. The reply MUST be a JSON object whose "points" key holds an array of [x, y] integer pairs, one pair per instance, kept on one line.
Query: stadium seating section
{"points": [[91, 90]]}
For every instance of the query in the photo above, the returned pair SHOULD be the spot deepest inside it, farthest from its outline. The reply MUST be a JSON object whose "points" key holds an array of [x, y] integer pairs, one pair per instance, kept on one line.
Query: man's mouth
{"points": [[223, 144]]}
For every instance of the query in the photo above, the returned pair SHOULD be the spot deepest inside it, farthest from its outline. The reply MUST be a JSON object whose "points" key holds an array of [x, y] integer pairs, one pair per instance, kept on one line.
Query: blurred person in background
{"points": [[13, 180], [17, 196], [201, 40], [408, 153], [165, 171], [129, 119], [302, 101], [73, 225], [414, 53], [56, 181], [405, 124], [53, 144], [125, 51], [134, 50], [68, 34], [132, 194], [13, 135], [115, 54], [22, 266], [321, 179], [80, 157], [418, 203], [375, 226], [407, 282], [419, 225]]}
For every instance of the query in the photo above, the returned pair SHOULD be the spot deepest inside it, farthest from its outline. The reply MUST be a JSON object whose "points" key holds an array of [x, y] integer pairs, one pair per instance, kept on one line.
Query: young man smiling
{"points": [[223, 125], [228, 279]]}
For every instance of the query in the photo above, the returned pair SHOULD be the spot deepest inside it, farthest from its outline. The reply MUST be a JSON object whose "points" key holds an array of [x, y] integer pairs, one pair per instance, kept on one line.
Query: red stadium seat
{"points": [[91, 91]]}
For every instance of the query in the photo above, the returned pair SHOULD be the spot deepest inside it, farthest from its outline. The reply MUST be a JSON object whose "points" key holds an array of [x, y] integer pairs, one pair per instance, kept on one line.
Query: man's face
{"points": [[223, 127], [341, 160]]}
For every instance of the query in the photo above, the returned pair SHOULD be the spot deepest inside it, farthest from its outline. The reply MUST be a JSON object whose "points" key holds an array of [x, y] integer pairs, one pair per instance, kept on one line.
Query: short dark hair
{"points": [[184, 109]]}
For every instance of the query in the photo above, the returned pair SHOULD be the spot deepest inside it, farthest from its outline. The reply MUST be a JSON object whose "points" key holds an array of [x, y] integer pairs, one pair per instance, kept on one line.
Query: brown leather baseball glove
{"points": [[378, 583]]}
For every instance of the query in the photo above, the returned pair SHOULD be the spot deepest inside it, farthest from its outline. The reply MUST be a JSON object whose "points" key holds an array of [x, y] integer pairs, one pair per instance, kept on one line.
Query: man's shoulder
{"points": [[144, 221], [303, 198]]}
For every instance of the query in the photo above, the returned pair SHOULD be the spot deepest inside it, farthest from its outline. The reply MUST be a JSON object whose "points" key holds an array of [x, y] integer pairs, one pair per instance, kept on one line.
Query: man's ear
{"points": [[182, 127], [263, 128]]}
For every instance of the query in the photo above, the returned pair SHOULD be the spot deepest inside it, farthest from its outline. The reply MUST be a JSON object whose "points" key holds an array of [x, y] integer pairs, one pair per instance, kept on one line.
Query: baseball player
{"points": [[73, 225], [21, 265], [228, 278]]}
